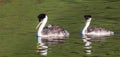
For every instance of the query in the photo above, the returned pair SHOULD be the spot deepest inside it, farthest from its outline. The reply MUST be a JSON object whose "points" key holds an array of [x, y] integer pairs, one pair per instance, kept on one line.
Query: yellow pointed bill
{"points": [[38, 25]]}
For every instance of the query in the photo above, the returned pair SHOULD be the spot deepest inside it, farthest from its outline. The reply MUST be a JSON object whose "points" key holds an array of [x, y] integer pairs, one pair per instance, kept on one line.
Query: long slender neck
{"points": [[42, 26], [86, 25]]}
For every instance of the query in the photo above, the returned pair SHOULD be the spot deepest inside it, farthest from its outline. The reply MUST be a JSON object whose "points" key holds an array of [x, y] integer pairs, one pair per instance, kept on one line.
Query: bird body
{"points": [[54, 30], [98, 32]]}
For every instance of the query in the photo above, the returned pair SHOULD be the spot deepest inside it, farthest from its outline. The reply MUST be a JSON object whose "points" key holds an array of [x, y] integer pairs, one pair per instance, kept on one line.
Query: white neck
{"points": [[42, 26], [86, 25]]}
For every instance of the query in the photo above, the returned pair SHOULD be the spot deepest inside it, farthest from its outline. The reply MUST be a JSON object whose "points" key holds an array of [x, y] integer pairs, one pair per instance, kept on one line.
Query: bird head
{"points": [[87, 17], [41, 18]]}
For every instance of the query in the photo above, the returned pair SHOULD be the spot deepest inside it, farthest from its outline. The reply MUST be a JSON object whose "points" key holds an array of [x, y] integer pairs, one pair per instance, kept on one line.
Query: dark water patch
{"points": [[110, 18], [112, 0], [25, 33], [39, 1], [91, 56], [70, 1], [107, 53], [74, 52], [2, 16], [3, 2], [24, 53], [73, 23], [109, 7], [3, 56], [77, 43]]}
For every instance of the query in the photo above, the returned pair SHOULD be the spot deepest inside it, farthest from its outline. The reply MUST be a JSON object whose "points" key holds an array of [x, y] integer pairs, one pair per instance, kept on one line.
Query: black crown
{"points": [[41, 16], [87, 16]]}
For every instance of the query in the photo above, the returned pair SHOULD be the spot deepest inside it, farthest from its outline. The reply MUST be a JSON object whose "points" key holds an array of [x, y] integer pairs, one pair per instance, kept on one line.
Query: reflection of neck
{"points": [[86, 25], [42, 26]]}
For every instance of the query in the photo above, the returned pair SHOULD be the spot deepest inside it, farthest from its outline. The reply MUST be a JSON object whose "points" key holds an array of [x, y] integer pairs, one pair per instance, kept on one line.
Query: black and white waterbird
{"points": [[93, 33], [51, 34]]}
